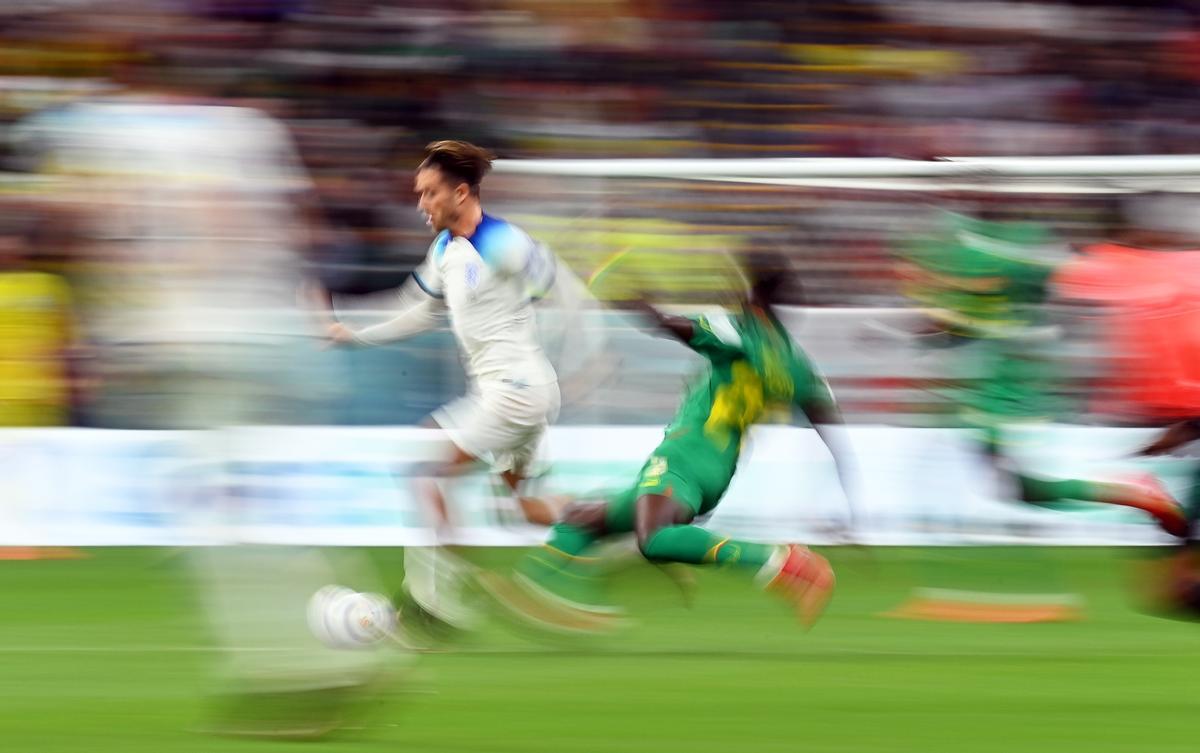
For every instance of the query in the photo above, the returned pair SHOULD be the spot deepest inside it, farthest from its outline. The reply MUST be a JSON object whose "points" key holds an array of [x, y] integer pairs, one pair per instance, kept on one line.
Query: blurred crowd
{"points": [[540, 78], [362, 85]]}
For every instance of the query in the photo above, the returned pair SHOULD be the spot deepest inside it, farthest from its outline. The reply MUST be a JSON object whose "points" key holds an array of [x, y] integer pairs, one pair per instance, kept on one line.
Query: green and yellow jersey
{"points": [[987, 281], [983, 278], [754, 370]]}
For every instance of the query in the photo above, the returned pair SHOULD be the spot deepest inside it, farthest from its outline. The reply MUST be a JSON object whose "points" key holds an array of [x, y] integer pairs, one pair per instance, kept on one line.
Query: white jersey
{"points": [[489, 283]]}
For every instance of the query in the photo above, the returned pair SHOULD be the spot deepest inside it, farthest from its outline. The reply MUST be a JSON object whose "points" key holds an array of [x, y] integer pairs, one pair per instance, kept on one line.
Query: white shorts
{"points": [[501, 425]]}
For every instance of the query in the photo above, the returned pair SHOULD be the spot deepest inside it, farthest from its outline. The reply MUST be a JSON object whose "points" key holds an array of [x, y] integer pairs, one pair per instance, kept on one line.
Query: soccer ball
{"points": [[343, 618]]}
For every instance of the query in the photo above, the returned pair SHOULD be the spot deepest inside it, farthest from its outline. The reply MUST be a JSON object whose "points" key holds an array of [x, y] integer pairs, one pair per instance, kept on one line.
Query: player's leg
{"points": [[620, 554], [539, 510], [1175, 588], [570, 568], [522, 417], [566, 567], [664, 534], [502, 428], [434, 600], [1017, 390], [678, 483], [557, 587], [430, 480], [1141, 492], [681, 481], [1171, 584], [435, 578]]}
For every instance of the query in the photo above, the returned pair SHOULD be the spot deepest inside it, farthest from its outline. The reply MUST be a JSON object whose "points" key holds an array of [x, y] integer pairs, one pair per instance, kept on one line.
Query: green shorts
{"points": [[693, 473]]}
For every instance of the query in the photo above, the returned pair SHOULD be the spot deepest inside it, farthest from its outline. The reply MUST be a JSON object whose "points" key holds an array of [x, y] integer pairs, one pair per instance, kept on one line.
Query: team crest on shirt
{"points": [[472, 276]]}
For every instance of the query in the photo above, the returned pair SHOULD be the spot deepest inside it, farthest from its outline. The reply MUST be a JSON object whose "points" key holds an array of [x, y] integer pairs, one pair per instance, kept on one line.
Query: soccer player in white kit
{"points": [[486, 274]]}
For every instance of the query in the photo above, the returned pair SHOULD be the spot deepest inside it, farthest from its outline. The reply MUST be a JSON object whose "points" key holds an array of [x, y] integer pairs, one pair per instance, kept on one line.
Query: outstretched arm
{"points": [[420, 314], [923, 330], [826, 419], [679, 327], [1177, 434]]}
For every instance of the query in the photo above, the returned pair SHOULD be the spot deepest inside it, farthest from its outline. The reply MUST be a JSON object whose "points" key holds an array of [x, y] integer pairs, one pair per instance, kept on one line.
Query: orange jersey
{"points": [[1151, 322]]}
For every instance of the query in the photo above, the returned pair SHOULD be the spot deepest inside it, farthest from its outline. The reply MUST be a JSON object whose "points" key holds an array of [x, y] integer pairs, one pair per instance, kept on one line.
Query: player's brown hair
{"points": [[459, 160]]}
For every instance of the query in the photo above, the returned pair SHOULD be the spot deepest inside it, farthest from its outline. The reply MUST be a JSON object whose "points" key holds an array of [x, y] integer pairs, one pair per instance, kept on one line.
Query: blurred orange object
{"points": [[40, 553], [965, 611], [1151, 302]]}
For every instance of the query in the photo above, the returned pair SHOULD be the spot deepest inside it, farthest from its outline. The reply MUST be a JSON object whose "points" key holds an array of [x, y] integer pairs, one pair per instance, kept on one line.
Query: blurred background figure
{"points": [[39, 348], [189, 245], [189, 259], [1138, 286], [990, 283], [987, 289], [1140, 291]]}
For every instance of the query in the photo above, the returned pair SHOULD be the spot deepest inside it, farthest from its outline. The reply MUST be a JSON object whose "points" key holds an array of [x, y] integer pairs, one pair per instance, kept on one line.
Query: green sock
{"points": [[562, 565], [698, 546], [1047, 492], [566, 546], [569, 540]]}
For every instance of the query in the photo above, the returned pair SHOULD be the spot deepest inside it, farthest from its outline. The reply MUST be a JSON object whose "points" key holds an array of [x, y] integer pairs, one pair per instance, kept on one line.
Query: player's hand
{"points": [[339, 334]]}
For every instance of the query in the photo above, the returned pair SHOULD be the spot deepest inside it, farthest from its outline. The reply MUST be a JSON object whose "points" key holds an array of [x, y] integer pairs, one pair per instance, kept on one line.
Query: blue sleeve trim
{"points": [[439, 244], [421, 283]]}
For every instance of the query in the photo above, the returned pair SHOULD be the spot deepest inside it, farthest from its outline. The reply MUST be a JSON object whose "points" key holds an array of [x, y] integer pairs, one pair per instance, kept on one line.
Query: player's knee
{"points": [[450, 468], [653, 514], [433, 470], [645, 542], [512, 479]]}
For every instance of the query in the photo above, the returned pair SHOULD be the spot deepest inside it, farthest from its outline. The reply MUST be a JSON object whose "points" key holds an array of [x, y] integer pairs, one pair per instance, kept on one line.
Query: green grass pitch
{"points": [[111, 653]]}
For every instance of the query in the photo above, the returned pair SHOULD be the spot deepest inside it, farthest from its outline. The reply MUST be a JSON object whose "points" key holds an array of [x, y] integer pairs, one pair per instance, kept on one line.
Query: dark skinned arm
{"points": [[825, 419], [679, 327], [1175, 435]]}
